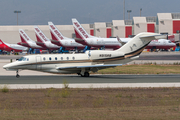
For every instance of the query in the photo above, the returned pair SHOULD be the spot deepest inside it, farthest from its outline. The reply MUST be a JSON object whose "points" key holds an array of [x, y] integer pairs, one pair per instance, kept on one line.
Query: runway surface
{"points": [[95, 81], [58, 79]]}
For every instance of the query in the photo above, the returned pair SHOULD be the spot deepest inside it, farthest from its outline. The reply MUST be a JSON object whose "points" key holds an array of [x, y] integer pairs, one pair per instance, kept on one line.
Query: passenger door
{"points": [[38, 62]]}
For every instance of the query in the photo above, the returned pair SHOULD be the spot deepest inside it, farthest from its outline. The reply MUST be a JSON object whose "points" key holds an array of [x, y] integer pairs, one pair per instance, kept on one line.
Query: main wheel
{"points": [[86, 74]]}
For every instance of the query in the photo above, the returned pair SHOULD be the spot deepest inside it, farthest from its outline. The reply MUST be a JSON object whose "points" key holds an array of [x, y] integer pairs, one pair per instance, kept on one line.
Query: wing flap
{"points": [[88, 67]]}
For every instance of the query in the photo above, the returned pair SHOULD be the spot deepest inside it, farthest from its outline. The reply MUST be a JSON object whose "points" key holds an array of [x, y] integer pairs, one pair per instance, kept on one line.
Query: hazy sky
{"points": [[60, 12]]}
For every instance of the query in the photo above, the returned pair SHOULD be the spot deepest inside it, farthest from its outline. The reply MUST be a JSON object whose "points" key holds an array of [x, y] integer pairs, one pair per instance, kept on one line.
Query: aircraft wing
{"points": [[100, 66]]}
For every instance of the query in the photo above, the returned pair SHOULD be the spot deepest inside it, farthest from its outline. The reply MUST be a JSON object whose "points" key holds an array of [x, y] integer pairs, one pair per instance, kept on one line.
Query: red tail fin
{"points": [[1, 42]]}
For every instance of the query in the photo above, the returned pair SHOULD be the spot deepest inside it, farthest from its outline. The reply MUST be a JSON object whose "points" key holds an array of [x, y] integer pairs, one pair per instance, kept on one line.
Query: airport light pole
{"points": [[129, 11], [124, 10], [17, 14], [140, 12]]}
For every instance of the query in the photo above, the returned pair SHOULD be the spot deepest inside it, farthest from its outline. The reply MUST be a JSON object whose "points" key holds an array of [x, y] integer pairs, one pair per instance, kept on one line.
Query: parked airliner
{"points": [[64, 42], [84, 38], [11, 47], [43, 41], [83, 63], [27, 41]]}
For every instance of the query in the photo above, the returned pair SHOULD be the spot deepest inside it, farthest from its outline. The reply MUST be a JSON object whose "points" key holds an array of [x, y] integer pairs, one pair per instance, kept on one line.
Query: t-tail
{"points": [[79, 30], [55, 33], [40, 35], [137, 44]]}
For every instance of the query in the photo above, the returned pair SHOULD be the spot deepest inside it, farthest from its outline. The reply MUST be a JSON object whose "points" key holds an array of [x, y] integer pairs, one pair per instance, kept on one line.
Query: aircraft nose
{"points": [[5, 66], [8, 66]]}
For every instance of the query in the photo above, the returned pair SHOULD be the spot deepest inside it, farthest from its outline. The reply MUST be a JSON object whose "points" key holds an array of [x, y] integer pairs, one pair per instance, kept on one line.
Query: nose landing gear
{"points": [[17, 75]]}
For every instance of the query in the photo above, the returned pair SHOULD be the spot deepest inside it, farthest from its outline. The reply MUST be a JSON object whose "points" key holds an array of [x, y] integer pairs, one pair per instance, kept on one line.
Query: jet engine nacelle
{"points": [[100, 54]]}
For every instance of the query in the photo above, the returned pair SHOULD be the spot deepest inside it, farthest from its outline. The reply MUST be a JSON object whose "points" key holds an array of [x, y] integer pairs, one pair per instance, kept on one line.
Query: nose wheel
{"points": [[17, 75]]}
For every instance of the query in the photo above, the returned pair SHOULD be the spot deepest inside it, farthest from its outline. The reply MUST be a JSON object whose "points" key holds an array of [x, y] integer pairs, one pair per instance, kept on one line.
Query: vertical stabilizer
{"points": [[40, 35], [1, 42], [24, 37], [55, 33], [137, 44], [79, 30]]}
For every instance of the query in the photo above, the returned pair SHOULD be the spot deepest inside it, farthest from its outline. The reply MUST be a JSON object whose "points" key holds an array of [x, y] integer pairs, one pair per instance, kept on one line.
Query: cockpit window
{"points": [[23, 59], [169, 42]]}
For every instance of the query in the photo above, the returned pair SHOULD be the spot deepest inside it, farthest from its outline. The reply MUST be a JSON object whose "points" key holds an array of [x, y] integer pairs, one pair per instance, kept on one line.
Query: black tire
{"points": [[86, 74], [17, 76]]}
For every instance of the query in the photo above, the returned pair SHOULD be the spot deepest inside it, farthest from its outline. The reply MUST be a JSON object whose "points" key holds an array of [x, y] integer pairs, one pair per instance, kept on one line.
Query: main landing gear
{"points": [[17, 75], [86, 74]]}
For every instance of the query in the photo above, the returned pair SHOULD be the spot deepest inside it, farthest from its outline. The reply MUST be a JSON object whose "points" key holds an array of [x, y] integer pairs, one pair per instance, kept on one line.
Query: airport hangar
{"points": [[162, 23]]}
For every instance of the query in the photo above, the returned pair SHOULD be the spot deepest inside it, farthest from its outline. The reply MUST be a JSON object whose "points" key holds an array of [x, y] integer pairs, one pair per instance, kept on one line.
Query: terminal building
{"points": [[167, 23]]}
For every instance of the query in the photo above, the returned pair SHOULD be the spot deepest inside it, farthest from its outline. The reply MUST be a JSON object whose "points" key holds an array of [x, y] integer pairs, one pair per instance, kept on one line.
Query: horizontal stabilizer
{"points": [[79, 39], [155, 37], [22, 43], [89, 66], [39, 43], [54, 41]]}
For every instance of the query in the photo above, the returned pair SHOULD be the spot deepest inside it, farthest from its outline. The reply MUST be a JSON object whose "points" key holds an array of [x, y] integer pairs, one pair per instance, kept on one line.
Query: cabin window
{"points": [[73, 58], [27, 59], [61, 58], [49, 58], [44, 58], [24, 59], [55, 58], [67, 58]]}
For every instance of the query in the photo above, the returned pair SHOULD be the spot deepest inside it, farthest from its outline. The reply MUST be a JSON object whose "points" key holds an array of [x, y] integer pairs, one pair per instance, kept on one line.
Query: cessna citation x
{"points": [[85, 39], [12, 47], [83, 63]]}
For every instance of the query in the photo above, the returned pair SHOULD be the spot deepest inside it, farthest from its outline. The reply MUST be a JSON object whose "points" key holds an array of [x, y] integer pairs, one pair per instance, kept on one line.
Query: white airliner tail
{"points": [[137, 44], [79, 30], [40, 35], [24, 37], [1, 42], [55, 33]]}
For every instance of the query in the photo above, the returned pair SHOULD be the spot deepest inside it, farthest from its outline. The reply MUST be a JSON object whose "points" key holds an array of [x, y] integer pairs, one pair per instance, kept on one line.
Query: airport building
{"points": [[167, 23]]}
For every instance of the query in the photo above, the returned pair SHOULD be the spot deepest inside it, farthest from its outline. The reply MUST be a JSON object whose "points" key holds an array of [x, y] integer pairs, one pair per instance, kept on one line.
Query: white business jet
{"points": [[82, 64]]}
